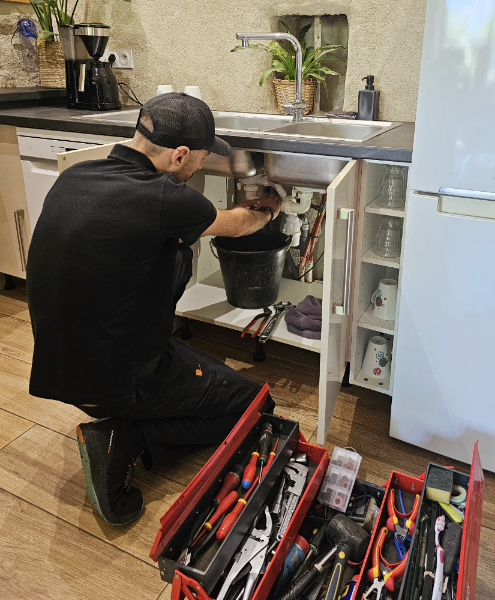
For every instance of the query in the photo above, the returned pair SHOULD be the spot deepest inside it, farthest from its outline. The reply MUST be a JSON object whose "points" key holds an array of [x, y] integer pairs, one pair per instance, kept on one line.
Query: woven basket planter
{"points": [[289, 89], [51, 64]]}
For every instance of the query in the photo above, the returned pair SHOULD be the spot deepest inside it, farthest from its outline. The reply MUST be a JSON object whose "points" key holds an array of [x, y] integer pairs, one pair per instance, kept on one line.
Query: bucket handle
{"points": [[213, 251]]}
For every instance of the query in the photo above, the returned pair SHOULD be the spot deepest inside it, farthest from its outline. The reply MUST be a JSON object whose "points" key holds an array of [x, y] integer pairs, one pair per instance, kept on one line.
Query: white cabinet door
{"points": [[67, 159], [444, 398], [337, 278]]}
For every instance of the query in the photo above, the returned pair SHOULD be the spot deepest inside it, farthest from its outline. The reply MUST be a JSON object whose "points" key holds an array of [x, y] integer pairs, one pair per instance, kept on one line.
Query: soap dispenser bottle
{"points": [[368, 101]]}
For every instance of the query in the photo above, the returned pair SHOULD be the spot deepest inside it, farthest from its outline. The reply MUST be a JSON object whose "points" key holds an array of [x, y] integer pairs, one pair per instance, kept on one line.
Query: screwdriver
{"points": [[232, 517], [273, 453], [250, 471], [225, 505], [230, 483], [265, 445]]}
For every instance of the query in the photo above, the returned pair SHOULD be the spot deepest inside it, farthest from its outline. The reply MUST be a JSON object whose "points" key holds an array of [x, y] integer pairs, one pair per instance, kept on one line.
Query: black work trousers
{"points": [[201, 404]]}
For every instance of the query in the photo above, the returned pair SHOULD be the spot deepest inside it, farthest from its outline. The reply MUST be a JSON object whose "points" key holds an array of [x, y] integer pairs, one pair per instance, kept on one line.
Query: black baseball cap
{"points": [[182, 120]]}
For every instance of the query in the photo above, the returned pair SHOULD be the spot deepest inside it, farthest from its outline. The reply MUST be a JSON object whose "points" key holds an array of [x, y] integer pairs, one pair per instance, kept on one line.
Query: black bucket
{"points": [[252, 267]]}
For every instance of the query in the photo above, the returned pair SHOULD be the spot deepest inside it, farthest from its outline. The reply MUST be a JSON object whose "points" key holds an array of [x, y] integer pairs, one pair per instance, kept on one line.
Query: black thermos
{"points": [[368, 101]]}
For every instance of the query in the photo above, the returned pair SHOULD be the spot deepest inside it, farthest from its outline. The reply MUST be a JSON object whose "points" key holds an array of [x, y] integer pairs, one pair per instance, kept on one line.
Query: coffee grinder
{"points": [[91, 84]]}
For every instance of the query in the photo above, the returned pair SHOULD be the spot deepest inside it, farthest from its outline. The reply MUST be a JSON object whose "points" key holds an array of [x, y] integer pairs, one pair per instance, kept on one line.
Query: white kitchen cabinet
{"points": [[14, 219], [369, 269]]}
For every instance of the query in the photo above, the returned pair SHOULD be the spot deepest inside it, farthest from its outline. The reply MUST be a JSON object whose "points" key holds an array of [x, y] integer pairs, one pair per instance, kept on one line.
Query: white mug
{"points": [[377, 359], [384, 300], [164, 89], [193, 90]]}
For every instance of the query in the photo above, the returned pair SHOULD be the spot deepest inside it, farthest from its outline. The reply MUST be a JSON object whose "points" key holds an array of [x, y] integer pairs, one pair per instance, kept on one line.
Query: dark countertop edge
{"points": [[340, 149], [29, 93]]}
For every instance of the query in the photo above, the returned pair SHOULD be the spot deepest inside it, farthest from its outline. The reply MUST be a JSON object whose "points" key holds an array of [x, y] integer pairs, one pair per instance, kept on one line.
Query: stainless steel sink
{"points": [[248, 121], [334, 129], [122, 117]]}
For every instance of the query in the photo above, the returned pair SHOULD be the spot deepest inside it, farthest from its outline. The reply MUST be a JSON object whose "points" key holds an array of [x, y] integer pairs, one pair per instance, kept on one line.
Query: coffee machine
{"points": [[91, 84]]}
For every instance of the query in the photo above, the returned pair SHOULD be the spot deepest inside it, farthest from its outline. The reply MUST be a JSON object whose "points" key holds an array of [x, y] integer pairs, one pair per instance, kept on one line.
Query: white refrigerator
{"points": [[444, 374]]}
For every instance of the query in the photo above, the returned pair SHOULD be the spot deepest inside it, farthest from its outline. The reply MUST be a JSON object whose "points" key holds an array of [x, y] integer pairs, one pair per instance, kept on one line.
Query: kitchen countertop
{"points": [[394, 145]]}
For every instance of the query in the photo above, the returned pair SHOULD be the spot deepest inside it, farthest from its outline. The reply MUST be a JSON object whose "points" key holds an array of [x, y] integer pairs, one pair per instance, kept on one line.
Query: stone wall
{"points": [[189, 43], [18, 66]]}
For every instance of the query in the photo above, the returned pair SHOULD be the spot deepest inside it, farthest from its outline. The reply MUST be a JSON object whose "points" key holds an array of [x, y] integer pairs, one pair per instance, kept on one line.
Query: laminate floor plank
{"points": [[166, 594], [11, 427], [16, 339], [44, 558], [14, 304], [44, 468], [485, 574], [15, 398]]}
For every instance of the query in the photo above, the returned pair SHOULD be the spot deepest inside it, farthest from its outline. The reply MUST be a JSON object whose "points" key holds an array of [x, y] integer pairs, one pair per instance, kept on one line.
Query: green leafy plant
{"points": [[58, 9], [284, 62]]}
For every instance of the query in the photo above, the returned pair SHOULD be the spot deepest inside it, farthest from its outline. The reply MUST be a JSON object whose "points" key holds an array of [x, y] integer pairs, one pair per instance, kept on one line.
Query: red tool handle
{"points": [[374, 572], [230, 483], [391, 577], [250, 471], [273, 454], [225, 505], [392, 514], [232, 517], [229, 520], [409, 524]]}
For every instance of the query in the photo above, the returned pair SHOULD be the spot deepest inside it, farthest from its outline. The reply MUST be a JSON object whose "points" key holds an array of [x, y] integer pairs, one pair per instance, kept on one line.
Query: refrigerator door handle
{"points": [[447, 191]]}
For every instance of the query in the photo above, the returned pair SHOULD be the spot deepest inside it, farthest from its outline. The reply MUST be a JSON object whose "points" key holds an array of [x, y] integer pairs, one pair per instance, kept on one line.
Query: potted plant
{"points": [[49, 49], [284, 65]]}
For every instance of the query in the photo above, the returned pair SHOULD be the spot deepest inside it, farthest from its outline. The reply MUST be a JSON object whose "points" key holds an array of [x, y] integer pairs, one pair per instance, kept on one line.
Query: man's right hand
{"points": [[240, 220], [271, 200]]}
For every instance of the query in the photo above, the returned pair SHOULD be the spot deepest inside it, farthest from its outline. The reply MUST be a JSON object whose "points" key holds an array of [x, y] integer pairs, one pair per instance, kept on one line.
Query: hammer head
{"points": [[341, 531]]}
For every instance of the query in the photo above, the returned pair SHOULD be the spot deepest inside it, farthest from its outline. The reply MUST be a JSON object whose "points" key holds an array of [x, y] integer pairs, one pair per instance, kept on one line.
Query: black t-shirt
{"points": [[99, 278]]}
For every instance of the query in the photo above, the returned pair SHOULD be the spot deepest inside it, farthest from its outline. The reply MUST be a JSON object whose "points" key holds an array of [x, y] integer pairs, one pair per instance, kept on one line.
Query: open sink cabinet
{"points": [[351, 272]]}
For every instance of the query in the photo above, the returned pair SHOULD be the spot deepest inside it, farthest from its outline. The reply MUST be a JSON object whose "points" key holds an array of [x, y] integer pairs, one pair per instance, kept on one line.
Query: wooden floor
{"points": [[54, 546]]}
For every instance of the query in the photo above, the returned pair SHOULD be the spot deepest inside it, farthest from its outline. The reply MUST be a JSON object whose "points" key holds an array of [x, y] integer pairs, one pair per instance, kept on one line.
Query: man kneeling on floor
{"points": [[109, 259]]}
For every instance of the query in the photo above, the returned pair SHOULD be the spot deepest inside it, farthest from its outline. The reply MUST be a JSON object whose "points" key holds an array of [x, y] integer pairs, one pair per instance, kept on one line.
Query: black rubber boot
{"points": [[107, 454]]}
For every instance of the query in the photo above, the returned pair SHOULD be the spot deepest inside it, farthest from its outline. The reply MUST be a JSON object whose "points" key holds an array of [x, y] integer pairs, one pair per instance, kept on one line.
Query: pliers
{"points": [[253, 553], [265, 315], [391, 573], [394, 515]]}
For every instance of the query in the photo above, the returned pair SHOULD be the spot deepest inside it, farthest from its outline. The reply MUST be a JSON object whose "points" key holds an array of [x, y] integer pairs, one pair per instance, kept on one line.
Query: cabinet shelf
{"points": [[372, 383], [207, 301], [370, 257], [369, 321], [373, 207]]}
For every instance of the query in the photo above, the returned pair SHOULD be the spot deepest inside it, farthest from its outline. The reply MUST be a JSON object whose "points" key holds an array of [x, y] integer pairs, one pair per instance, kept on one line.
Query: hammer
{"points": [[351, 541]]}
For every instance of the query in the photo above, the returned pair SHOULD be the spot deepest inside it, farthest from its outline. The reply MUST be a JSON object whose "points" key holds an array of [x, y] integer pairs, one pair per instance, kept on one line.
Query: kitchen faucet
{"points": [[297, 107]]}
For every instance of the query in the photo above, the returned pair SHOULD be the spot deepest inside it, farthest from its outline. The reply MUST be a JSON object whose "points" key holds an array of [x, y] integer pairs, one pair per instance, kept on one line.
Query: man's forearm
{"points": [[248, 220]]}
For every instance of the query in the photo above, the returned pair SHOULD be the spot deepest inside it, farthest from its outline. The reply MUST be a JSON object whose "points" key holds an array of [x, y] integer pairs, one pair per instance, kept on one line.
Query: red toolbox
{"points": [[179, 518], [198, 583]]}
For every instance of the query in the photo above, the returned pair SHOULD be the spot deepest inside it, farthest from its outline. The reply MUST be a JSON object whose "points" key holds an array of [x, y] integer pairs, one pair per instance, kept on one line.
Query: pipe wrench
{"points": [[253, 552]]}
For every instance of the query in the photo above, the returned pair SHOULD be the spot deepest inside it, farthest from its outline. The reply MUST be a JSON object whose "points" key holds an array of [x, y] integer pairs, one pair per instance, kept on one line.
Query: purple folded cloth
{"points": [[305, 318]]}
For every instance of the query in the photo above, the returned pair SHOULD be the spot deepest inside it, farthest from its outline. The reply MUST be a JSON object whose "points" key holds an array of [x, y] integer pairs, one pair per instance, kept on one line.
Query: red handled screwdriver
{"points": [[226, 504], [232, 517], [250, 471], [265, 445], [230, 483], [273, 453]]}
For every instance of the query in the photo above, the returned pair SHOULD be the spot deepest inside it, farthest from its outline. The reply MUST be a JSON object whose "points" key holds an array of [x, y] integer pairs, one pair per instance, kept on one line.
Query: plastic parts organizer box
{"points": [[339, 479]]}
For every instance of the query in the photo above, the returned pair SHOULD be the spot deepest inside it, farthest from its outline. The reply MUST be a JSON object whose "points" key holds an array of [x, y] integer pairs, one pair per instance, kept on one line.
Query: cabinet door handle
{"points": [[344, 309], [477, 195], [19, 221]]}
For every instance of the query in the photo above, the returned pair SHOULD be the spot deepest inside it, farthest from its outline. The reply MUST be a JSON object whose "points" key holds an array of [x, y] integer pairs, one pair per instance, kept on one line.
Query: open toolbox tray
{"points": [[474, 482], [468, 562]]}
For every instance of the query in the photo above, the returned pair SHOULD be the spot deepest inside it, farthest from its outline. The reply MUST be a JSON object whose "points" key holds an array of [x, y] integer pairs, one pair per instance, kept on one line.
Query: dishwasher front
{"points": [[38, 150]]}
